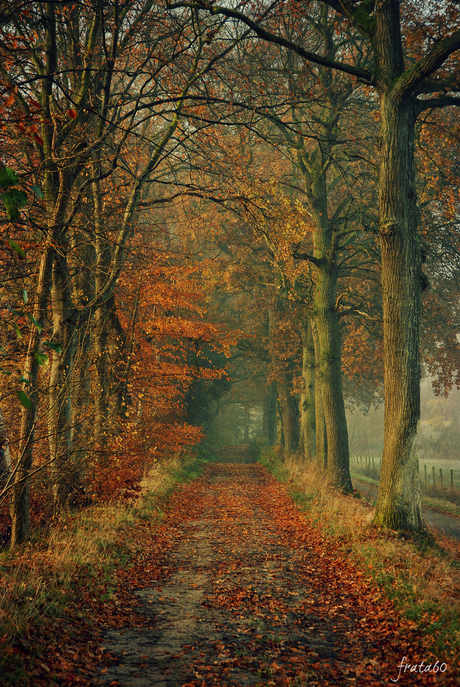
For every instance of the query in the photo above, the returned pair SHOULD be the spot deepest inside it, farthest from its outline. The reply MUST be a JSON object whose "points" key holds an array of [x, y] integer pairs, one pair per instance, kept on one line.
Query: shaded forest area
{"points": [[225, 215]]}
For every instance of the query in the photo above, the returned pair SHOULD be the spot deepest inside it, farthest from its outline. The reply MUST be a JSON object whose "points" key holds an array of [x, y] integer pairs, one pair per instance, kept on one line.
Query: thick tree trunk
{"points": [[307, 397], [19, 510], [330, 372], [398, 504]]}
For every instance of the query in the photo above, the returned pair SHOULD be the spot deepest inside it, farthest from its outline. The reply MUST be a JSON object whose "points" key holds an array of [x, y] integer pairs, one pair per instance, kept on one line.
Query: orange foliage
{"points": [[162, 307]]}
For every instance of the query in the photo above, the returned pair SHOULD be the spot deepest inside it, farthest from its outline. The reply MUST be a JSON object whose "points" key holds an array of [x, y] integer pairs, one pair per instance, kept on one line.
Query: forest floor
{"points": [[235, 587]]}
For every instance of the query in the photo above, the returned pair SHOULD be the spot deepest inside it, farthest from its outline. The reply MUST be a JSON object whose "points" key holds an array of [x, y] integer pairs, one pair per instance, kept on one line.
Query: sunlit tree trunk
{"points": [[100, 335], [110, 368]]}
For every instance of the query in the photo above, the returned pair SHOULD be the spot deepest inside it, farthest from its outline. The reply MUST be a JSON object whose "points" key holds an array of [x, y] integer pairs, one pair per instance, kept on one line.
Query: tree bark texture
{"points": [[19, 509], [398, 504], [330, 373], [65, 474], [307, 396], [320, 423]]}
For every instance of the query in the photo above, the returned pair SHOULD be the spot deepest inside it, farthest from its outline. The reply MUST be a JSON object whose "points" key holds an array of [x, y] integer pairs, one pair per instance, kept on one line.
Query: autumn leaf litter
{"points": [[237, 588]]}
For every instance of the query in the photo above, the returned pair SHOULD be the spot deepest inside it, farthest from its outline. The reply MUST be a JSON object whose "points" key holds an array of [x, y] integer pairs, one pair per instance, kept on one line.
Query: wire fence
{"points": [[432, 476]]}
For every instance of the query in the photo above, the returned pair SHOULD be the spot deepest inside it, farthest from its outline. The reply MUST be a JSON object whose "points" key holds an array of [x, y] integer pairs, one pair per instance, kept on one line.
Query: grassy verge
{"points": [[433, 498], [422, 577], [42, 582], [440, 505]]}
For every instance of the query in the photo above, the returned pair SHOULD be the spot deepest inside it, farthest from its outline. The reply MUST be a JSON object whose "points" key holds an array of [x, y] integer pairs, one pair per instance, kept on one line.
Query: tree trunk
{"points": [[19, 510], [330, 372], [307, 397], [80, 406], [288, 408], [398, 504], [82, 293], [118, 362], [111, 366], [288, 413], [101, 382], [5, 458], [101, 386], [328, 345], [65, 474], [320, 423]]}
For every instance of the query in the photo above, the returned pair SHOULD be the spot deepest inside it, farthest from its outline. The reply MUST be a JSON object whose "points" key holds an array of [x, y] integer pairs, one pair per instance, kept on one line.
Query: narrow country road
{"points": [[446, 524], [248, 593]]}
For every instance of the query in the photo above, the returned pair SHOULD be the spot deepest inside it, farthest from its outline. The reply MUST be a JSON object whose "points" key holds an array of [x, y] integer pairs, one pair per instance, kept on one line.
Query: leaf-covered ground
{"points": [[235, 587]]}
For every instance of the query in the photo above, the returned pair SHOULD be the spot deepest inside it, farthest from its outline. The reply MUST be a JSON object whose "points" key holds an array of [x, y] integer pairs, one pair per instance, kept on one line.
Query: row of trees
{"points": [[413, 76], [410, 64], [192, 164], [93, 121]]}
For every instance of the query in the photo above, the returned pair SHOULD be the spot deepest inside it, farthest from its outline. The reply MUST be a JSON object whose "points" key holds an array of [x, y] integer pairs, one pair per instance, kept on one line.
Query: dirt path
{"points": [[248, 593]]}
